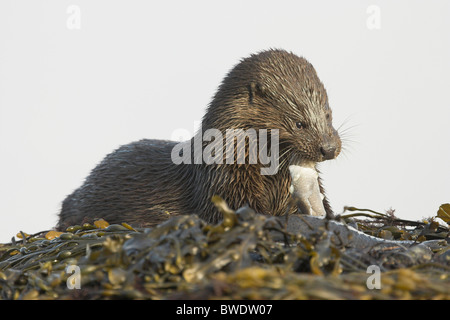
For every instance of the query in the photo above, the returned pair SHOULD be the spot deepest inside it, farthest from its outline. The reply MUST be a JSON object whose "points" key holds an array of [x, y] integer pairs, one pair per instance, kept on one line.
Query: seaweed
{"points": [[241, 257]]}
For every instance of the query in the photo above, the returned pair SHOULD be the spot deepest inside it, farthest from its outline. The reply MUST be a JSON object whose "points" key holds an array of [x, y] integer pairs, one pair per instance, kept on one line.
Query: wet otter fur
{"points": [[140, 184]]}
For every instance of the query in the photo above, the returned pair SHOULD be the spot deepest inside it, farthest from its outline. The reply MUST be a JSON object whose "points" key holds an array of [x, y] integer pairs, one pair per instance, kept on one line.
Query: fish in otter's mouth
{"points": [[305, 189]]}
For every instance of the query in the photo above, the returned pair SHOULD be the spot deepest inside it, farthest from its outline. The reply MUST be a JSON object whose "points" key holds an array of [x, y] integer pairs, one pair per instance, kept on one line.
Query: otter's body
{"points": [[139, 183]]}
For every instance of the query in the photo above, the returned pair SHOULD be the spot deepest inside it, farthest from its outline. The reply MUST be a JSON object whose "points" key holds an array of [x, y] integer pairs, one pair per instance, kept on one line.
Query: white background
{"points": [[142, 69]]}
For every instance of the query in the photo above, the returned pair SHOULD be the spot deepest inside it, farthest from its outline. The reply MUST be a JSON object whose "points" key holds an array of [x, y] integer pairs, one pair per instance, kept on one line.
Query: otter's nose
{"points": [[328, 151]]}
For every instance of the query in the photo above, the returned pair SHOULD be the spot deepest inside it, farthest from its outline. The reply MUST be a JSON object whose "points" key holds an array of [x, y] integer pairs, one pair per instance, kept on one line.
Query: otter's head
{"points": [[276, 89]]}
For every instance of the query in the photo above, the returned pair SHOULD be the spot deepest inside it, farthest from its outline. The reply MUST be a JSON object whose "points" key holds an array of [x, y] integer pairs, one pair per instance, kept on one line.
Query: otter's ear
{"points": [[255, 89]]}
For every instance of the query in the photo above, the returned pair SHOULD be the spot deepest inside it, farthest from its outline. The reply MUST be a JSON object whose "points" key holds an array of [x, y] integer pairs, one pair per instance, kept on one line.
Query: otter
{"points": [[140, 184]]}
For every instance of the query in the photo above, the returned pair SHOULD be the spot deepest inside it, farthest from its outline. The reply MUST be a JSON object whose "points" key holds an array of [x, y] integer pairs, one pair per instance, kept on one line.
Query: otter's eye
{"points": [[327, 116], [299, 125]]}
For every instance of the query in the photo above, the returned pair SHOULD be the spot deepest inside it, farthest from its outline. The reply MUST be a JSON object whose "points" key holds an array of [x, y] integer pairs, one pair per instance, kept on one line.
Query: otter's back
{"points": [[131, 182]]}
